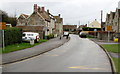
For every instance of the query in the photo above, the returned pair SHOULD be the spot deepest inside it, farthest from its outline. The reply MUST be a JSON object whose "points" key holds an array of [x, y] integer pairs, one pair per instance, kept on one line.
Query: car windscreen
{"points": [[29, 34], [23, 34]]}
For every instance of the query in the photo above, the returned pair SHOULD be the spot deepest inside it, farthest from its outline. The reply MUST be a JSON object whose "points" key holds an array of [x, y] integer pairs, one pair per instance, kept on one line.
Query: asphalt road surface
{"points": [[77, 55]]}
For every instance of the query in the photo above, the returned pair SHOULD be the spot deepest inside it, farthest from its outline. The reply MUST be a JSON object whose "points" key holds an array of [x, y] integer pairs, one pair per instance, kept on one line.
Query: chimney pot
{"points": [[35, 8], [47, 11], [39, 9], [43, 9], [59, 15]]}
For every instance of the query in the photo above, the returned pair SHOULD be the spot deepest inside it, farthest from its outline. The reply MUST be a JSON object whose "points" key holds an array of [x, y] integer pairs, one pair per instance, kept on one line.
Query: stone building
{"points": [[43, 18], [112, 20], [22, 19], [94, 24], [116, 21], [70, 27], [58, 24]]}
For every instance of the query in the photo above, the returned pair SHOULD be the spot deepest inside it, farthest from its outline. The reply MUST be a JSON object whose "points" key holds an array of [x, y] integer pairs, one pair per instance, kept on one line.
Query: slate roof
{"points": [[58, 19], [70, 26], [23, 16], [45, 15]]}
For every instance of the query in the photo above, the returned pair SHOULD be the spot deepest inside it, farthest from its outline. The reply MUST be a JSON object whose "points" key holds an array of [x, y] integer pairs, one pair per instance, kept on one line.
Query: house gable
{"points": [[94, 24], [36, 19]]}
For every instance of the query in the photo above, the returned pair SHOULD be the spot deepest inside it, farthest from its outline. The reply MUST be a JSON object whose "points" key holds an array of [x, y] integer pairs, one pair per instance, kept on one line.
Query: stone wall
{"points": [[104, 35]]}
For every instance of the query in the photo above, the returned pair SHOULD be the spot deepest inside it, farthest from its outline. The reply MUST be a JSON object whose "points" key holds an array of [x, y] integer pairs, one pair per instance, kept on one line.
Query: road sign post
{"points": [[3, 43], [109, 28], [108, 36]]}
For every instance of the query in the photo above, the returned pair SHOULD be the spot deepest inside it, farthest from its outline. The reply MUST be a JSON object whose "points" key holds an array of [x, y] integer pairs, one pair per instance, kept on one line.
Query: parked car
{"points": [[65, 34], [83, 35], [116, 37], [27, 36]]}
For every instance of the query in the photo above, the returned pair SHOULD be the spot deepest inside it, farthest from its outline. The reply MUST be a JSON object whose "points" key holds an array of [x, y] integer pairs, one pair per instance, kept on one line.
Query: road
{"points": [[77, 55]]}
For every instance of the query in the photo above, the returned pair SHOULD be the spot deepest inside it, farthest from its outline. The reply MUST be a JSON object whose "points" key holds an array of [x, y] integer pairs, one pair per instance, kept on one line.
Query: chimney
{"points": [[35, 8], [39, 9], [59, 15], [48, 11], [43, 9]]}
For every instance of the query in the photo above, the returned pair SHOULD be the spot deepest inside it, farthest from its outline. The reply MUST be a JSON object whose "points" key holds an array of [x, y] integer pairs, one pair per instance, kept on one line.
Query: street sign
{"points": [[2, 25], [109, 28]]}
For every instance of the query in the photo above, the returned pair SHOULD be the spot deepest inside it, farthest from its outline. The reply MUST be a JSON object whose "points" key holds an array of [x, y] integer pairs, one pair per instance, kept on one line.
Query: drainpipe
{"points": [[118, 24]]}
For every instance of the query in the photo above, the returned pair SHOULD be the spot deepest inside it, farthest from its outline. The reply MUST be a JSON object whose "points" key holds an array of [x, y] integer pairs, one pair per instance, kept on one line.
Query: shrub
{"points": [[50, 36], [13, 35]]}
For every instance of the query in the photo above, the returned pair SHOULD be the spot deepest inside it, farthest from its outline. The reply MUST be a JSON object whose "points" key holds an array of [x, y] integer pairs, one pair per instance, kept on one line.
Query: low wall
{"points": [[105, 35]]}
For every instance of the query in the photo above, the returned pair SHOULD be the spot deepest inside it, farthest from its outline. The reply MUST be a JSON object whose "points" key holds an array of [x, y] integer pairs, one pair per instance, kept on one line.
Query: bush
{"points": [[13, 35], [90, 36], [50, 36]]}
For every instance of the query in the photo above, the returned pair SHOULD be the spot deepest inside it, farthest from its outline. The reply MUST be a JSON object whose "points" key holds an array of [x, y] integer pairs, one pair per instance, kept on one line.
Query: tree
{"points": [[5, 18]]}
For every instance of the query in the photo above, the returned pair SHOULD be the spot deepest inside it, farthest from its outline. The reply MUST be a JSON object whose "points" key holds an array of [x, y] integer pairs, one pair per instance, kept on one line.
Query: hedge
{"points": [[50, 36], [13, 35], [90, 29]]}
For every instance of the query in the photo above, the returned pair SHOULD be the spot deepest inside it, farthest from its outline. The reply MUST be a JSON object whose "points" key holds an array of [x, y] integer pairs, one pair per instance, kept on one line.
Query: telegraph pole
{"points": [[15, 13], [101, 25], [101, 20], [79, 23]]}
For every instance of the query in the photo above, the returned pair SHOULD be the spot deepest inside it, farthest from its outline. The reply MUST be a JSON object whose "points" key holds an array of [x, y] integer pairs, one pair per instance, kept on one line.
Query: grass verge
{"points": [[112, 47], [20, 46], [117, 64]]}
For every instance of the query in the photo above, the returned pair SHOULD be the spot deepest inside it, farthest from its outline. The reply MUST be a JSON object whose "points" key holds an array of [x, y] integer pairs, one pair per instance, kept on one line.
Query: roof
{"points": [[83, 26], [24, 16], [112, 14], [45, 15], [95, 24], [58, 19], [70, 26], [119, 12], [108, 15]]}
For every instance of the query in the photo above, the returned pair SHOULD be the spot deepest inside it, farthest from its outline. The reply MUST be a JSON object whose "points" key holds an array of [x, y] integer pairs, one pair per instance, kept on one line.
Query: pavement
{"points": [[76, 55], [34, 51], [100, 42]]}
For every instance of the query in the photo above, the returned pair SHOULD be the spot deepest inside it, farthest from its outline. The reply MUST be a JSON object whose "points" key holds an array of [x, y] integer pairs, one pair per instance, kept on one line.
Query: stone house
{"points": [[107, 20], [58, 25], [70, 27], [116, 21], [39, 17], [112, 20], [22, 19], [94, 24]]}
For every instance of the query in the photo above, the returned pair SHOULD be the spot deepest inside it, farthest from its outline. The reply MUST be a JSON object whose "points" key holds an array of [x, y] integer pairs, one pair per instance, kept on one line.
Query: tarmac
{"points": [[34, 51]]}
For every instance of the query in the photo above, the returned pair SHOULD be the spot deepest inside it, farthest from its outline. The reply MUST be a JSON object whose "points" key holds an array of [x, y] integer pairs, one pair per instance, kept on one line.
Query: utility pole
{"points": [[15, 13], [118, 24], [79, 23], [101, 25], [3, 40], [101, 20]]}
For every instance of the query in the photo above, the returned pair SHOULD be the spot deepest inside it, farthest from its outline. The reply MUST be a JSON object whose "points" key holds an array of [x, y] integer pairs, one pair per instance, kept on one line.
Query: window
{"points": [[23, 34], [29, 34]]}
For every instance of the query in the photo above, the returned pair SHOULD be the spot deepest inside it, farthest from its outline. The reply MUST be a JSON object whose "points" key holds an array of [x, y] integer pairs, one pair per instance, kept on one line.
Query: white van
{"points": [[27, 36]]}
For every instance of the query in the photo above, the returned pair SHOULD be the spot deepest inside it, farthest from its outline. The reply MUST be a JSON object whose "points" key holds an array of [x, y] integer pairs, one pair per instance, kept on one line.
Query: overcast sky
{"points": [[72, 11]]}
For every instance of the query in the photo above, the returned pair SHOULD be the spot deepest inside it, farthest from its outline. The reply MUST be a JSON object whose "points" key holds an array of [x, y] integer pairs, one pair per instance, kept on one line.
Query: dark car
{"points": [[83, 35]]}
